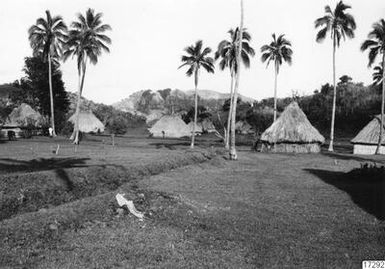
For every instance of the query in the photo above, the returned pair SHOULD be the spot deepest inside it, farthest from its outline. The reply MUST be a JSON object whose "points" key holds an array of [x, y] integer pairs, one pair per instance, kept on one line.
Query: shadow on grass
{"points": [[8, 165], [366, 192]]}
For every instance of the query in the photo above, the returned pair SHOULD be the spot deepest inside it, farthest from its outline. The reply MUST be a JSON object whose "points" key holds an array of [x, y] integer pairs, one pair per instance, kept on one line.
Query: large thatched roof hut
{"points": [[292, 132], [24, 115], [367, 139], [170, 126], [88, 122]]}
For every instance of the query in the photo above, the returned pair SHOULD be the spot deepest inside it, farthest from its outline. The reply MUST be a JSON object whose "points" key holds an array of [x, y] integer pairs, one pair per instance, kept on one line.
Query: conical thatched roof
{"points": [[24, 115], [88, 122], [198, 127], [370, 133], [171, 125], [208, 126], [243, 127], [292, 127]]}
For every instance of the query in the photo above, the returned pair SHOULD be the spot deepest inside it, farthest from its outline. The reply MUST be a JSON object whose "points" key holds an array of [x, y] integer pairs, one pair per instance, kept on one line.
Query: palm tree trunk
{"points": [[275, 90], [233, 151], [51, 95], [76, 129], [382, 106], [227, 134], [195, 107], [334, 96]]}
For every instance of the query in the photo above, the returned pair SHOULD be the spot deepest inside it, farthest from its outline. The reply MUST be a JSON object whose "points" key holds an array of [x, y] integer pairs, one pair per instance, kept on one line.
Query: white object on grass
{"points": [[130, 205]]}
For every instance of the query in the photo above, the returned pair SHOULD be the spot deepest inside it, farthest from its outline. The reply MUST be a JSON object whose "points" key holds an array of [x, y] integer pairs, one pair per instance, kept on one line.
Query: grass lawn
{"points": [[262, 211]]}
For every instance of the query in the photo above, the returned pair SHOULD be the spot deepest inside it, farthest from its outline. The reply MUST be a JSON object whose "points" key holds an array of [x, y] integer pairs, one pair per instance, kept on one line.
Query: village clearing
{"points": [[265, 210]]}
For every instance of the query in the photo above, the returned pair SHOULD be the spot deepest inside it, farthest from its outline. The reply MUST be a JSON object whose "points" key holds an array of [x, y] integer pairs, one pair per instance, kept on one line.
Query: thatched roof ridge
{"points": [[88, 122], [370, 133], [292, 127]]}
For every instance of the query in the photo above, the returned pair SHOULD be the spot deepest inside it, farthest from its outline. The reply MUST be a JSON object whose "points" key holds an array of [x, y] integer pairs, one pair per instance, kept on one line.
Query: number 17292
{"points": [[373, 264]]}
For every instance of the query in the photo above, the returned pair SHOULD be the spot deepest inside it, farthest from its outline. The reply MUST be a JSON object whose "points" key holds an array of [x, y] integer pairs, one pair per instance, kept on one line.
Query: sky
{"points": [[148, 38]]}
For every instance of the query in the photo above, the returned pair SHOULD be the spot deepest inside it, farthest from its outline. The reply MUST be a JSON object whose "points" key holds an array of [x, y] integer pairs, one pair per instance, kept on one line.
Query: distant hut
{"points": [[23, 116], [243, 127], [88, 122], [170, 126], [20, 118], [198, 127], [292, 132], [208, 126], [367, 139]]}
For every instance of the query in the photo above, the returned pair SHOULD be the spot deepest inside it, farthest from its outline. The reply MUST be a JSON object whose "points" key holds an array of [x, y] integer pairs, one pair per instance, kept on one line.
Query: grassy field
{"points": [[262, 211]]}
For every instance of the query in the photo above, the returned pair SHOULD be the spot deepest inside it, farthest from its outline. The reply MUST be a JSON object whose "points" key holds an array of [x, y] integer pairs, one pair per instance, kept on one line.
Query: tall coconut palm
{"points": [[233, 151], [227, 52], [46, 38], [376, 46], [195, 60], [278, 50], [340, 25], [86, 42], [378, 74]]}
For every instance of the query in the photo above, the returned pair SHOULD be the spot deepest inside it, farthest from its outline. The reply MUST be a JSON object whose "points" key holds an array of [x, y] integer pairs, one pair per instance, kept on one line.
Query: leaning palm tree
{"points": [[376, 45], [278, 50], [196, 59], [46, 38], [233, 151], [86, 42], [227, 52], [339, 24]]}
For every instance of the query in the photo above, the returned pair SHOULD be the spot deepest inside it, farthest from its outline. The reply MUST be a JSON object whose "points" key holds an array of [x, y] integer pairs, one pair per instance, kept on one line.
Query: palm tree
{"points": [[378, 75], [227, 52], [376, 45], [196, 59], [278, 51], [339, 24], [86, 41], [46, 38], [233, 151]]}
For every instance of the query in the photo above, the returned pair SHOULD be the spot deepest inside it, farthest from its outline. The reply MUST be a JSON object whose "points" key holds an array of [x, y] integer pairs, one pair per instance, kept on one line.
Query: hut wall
{"points": [[292, 148], [367, 149]]}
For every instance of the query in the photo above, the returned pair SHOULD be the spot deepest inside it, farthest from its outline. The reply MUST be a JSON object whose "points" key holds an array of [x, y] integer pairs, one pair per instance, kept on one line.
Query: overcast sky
{"points": [[149, 36]]}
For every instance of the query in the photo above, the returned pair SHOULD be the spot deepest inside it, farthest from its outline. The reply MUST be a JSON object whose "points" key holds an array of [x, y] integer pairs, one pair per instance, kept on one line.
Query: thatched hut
{"points": [[198, 127], [366, 140], [24, 115], [292, 132], [243, 127], [170, 126], [208, 126], [88, 122]]}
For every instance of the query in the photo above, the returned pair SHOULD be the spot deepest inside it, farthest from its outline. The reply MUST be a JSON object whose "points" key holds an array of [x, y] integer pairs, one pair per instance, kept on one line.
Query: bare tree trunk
{"points": [[334, 96], [227, 134], [195, 107], [76, 129], [382, 106], [233, 151], [51, 95], [275, 90]]}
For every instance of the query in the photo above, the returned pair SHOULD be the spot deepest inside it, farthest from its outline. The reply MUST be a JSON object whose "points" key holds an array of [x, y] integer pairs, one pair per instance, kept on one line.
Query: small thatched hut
{"points": [[208, 126], [88, 122], [292, 132], [198, 127], [170, 126], [367, 139], [243, 127]]}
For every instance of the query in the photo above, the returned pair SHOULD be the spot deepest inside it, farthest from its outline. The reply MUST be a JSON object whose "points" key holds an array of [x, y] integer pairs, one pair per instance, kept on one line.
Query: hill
{"points": [[152, 104]]}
